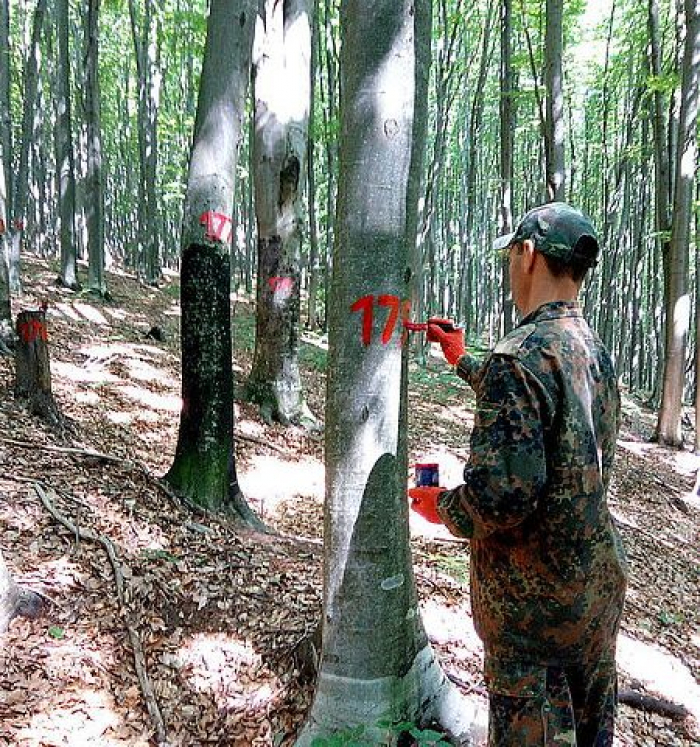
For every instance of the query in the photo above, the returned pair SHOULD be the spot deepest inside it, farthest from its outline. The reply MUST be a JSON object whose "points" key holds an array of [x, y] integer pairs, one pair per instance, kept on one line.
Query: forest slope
{"points": [[225, 619]]}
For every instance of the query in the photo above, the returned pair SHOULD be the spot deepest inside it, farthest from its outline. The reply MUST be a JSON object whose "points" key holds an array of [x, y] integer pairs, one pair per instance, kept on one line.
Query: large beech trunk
{"points": [[377, 664]]}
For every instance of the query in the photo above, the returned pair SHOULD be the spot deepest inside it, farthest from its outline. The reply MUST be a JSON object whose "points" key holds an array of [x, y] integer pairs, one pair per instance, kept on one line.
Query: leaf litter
{"points": [[227, 619]]}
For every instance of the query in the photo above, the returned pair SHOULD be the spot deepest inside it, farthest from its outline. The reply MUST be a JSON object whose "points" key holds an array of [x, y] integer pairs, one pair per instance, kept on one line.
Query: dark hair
{"points": [[582, 260]]}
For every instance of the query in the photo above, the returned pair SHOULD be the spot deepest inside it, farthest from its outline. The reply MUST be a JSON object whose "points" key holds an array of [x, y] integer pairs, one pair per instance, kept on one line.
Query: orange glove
{"points": [[451, 338], [424, 502]]}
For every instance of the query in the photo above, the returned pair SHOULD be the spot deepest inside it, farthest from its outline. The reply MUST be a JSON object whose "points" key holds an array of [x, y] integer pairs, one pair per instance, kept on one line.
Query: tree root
{"points": [[136, 645], [644, 702]]}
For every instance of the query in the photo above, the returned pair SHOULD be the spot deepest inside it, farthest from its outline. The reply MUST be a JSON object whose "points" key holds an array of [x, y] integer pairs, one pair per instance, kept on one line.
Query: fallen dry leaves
{"points": [[224, 617]]}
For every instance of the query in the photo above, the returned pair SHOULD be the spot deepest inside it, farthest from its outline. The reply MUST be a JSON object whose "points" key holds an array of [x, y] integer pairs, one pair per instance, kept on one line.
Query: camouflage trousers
{"points": [[534, 705]]}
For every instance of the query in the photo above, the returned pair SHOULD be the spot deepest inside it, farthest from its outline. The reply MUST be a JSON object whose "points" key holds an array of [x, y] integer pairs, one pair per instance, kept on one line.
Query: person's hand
{"points": [[424, 502], [450, 338]]}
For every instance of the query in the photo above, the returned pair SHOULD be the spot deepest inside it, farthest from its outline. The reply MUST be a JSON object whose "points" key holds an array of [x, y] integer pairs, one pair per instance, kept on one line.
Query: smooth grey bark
{"points": [[65, 160], [376, 662], [554, 102], [465, 291], [6, 331], [30, 121], [507, 128], [449, 76], [697, 330], [281, 92], [314, 265], [677, 302], [204, 470], [94, 179], [5, 112], [146, 45], [15, 601]]}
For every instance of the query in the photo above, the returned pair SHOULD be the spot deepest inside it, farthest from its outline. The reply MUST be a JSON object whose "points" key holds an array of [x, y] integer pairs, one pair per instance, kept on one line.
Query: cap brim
{"points": [[502, 242]]}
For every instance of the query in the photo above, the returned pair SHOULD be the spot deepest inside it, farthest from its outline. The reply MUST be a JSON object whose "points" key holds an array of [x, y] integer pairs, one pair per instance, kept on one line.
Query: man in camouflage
{"points": [[548, 573]]}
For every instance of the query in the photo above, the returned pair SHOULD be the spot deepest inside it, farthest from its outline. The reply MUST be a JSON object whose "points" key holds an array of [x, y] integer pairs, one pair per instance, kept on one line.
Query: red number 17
{"points": [[366, 306]]}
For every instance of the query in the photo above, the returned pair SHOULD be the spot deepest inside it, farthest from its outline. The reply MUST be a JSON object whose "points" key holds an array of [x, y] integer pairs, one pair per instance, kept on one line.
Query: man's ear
{"points": [[529, 256]]}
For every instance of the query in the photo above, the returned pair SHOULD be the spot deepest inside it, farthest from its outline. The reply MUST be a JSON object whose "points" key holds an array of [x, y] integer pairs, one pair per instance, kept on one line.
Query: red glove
{"points": [[424, 502], [451, 338]]}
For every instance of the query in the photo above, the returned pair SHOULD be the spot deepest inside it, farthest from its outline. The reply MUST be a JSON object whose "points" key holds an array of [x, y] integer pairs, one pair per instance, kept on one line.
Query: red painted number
{"points": [[217, 226], [31, 330], [395, 306]]}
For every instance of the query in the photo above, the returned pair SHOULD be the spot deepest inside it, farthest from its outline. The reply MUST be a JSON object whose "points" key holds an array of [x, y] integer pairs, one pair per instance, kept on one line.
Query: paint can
{"points": [[427, 475]]}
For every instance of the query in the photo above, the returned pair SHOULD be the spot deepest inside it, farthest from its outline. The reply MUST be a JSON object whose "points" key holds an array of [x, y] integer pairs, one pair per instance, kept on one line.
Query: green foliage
{"points": [[454, 566], [57, 632], [668, 619], [243, 332], [313, 356]]}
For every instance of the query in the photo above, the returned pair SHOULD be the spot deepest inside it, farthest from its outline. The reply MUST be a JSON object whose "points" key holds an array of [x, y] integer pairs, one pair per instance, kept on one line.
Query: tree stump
{"points": [[32, 367]]}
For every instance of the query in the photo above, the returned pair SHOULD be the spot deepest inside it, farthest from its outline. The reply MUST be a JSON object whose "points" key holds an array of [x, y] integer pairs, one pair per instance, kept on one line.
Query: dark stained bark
{"points": [[33, 368]]}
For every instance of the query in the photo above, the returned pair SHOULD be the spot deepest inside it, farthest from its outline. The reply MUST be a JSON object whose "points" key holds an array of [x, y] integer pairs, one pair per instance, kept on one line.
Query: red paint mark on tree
{"points": [[396, 307], [217, 226], [365, 305], [32, 330], [393, 303], [2, 226], [18, 223], [281, 285]]}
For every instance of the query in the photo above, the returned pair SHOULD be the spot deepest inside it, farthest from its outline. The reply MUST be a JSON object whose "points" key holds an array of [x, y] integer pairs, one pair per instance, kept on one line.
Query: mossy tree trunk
{"points": [[204, 470]]}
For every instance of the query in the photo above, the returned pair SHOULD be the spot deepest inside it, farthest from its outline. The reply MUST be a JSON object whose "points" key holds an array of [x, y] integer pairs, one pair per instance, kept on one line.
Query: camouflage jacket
{"points": [[548, 571]]}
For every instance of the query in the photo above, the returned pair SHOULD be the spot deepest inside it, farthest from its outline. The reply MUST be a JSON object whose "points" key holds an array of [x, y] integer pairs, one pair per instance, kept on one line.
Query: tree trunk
{"points": [[314, 270], [6, 332], [149, 76], [280, 146], [16, 601], [554, 85], [507, 128], [30, 120], [5, 111], [697, 329], [204, 470], [677, 303], [376, 664], [94, 181], [64, 153], [32, 366]]}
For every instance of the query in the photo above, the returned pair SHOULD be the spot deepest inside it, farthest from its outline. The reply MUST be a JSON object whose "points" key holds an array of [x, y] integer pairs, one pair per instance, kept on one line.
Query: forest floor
{"points": [[224, 618]]}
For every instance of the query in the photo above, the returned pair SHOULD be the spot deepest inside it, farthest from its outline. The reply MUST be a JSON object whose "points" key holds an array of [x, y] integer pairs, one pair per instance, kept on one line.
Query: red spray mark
{"points": [[281, 286], [31, 330], [396, 307], [217, 226]]}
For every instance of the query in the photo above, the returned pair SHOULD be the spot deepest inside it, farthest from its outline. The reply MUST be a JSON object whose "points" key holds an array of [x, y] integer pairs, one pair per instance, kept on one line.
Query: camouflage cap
{"points": [[558, 230]]}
